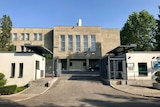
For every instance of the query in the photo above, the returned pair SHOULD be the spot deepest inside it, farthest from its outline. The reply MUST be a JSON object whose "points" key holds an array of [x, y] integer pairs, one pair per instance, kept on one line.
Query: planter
{"points": [[156, 85]]}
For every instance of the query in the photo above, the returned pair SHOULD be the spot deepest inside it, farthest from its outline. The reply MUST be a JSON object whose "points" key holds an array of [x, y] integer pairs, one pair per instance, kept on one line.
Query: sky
{"points": [[50, 13]]}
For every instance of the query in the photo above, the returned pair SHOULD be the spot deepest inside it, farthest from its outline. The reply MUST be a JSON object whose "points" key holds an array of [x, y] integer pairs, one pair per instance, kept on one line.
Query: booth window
{"points": [[12, 70], [142, 68], [37, 64], [20, 70]]}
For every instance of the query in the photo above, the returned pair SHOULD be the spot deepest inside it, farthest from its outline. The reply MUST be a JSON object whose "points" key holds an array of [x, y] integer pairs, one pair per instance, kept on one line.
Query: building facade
{"points": [[76, 47], [21, 68]]}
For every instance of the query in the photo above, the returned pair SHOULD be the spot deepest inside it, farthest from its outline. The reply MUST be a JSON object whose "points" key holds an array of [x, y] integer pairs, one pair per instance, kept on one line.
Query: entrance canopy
{"points": [[38, 49], [121, 49]]}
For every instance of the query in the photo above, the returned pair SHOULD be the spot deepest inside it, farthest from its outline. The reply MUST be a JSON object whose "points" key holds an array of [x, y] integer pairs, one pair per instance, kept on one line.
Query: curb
{"points": [[31, 95], [133, 93]]}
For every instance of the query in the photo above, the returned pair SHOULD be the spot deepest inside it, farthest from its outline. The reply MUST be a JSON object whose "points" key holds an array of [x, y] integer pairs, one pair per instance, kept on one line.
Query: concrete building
{"points": [[132, 67], [76, 47], [21, 68]]}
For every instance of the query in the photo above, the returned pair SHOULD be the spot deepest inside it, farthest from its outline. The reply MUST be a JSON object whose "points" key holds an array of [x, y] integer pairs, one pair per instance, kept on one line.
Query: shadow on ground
{"points": [[8, 103]]}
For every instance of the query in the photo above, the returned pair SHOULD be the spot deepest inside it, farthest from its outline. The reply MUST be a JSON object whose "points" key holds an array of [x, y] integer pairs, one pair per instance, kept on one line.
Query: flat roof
{"points": [[38, 49], [121, 49]]}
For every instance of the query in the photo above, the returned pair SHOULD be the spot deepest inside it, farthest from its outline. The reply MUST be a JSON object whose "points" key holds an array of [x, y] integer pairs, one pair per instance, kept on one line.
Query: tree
{"points": [[5, 33], [139, 29], [158, 32]]}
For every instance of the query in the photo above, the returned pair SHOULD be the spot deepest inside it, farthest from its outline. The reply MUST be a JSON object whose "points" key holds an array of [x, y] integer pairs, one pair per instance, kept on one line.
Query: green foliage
{"points": [[158, 76], [2, 80], [19, 89], [139, 29], [5, 33], [6, 90], [158, 32], [2, 76]]}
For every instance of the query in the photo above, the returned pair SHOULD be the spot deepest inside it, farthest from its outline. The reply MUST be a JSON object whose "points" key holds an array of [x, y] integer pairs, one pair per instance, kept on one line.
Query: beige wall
{"points": [[29, 71], [46, 37], [141, 57], [106, 39]]}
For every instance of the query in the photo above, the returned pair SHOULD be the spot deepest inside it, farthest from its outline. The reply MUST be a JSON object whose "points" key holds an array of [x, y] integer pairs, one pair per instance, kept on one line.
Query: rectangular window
{"points": [[85, 42], [27, 36], [142, 68], [37, 65], [35, 36], [13, 70], [40, 36], [15, 36], [20, 70], [62, 43], [77, 42], [70, 43], [93, 43], [22, 36]]}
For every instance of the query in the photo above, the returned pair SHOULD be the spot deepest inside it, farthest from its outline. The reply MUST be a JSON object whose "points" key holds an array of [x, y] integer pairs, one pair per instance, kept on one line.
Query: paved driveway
{"points": [[81, 89]]}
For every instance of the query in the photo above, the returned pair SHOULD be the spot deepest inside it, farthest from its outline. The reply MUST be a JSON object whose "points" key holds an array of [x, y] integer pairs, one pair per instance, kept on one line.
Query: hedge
{"points": [[1, 76], [3, 82], [158, 76], [6, 90]]}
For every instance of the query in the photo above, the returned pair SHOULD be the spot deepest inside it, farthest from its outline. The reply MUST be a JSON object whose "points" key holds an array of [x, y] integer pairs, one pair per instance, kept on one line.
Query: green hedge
{"points": [[158, 76], [1, 76], [3, 82], [6, 90]]}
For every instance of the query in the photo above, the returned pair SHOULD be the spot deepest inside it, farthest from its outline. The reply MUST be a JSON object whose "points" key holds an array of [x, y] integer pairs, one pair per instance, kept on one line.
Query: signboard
{"points": [[155, 64]]}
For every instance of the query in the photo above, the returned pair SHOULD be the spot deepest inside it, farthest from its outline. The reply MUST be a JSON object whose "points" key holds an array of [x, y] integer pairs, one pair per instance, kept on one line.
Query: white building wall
{"points": [[133, 58], [28, 60]]}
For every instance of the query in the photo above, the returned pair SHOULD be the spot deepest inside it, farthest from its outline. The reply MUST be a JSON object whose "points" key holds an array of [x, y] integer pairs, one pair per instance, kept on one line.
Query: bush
{"points": [[1, 76], [19, 89], [6, 90], [158, 76], [3, 82]]}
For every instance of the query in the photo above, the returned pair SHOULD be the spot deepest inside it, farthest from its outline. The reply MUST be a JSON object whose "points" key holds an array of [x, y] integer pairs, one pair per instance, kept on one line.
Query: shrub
{"points": [[158, 76], [3, 82], [6, 90], [1, 76], [19, 89]]}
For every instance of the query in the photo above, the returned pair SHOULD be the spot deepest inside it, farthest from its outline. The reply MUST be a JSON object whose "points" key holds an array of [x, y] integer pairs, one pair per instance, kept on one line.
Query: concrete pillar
{"points": [[68, 63], [87, 63]]}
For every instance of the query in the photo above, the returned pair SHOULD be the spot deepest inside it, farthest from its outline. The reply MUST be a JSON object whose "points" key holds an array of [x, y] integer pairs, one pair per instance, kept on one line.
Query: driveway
{"points": [[84, 89]]}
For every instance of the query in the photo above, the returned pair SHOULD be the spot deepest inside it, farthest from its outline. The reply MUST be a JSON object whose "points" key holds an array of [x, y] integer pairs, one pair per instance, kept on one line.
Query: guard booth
{"points": [[113, 65]]}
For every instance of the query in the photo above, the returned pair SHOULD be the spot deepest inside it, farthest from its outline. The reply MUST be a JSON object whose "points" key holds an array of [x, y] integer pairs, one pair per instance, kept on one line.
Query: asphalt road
{"points": [[79, 89]]}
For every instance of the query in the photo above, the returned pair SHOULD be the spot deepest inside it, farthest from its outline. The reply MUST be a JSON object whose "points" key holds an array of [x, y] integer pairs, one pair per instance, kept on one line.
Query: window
{"points": [[22, 36], [142, 68], [40, 36], [12, 70], [15, 36], [62, 43], [27, 36], [35, 36], [70, 43], [37, 65], [77, 42], [20, 70], [70, 64], [93, 43], [85, 42]]}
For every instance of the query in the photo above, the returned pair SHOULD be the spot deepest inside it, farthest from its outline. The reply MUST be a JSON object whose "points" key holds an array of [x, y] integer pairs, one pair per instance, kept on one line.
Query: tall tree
{"points": [[158, 32], [139, 29], [5, 33]]}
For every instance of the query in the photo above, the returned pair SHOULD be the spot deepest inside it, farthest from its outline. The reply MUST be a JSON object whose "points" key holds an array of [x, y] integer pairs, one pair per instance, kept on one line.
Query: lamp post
{"points": [[53, 72]]}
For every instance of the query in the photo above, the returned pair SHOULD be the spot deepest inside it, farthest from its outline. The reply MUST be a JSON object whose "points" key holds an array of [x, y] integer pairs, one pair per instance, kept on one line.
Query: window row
{"points": [[77, 42], [26, 36]]}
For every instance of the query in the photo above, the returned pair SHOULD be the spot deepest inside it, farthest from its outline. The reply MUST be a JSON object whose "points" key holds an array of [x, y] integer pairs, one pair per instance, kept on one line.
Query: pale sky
{"points": [[50, 13]]}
